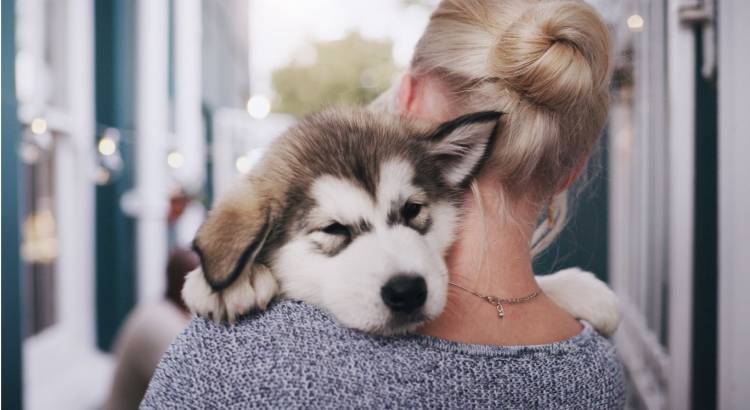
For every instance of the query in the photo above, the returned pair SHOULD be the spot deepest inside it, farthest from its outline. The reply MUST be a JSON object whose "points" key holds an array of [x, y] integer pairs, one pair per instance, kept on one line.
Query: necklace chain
{"points": [[498, 302]]}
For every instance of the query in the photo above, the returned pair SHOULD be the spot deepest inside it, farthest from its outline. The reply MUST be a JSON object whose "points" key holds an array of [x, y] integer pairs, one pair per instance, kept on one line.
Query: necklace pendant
{"points": [[498, 302]]}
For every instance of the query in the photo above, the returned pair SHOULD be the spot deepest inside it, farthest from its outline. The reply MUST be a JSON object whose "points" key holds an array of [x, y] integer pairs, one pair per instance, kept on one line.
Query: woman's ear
{"points": [[233, 235], [406, 95], [426, 98], [461, 146]]}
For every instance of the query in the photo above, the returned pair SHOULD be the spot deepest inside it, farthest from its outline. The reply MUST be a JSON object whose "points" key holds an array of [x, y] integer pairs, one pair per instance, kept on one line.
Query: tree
{"points": [[353, 70]]}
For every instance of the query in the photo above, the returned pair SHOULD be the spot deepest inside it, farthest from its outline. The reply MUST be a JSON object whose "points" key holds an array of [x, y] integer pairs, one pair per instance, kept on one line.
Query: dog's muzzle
{"points": [[404, 293]]}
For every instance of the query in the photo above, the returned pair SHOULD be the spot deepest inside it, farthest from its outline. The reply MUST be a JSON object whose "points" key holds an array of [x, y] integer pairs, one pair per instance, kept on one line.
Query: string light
{"points": [[635, 23], [112, 140], [107, 146], [175, 160], [258, 106], [28, 152], [243, 164], [38, 126], [102, 176], [110, 161]]}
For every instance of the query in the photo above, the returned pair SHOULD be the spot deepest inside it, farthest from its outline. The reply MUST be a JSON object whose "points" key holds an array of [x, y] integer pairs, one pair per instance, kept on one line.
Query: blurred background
{"points": [[122, 120]]}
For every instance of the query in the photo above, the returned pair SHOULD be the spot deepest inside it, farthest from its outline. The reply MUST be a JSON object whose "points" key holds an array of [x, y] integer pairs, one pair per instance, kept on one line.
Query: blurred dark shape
{"points": [[178, 202], [147, 333], [177, 205], [181, 261]]}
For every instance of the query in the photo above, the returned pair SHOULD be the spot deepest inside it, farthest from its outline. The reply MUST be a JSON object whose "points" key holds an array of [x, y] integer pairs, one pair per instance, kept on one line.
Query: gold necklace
{"points": [[499, 302]]}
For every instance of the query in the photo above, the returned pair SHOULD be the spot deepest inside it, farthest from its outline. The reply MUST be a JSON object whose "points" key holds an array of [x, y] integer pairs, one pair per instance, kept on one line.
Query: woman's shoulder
{"points": [[312, 359], [579, 351], [290, 332], [282, 318], [209, 357], [260, 335], [583, 371]]}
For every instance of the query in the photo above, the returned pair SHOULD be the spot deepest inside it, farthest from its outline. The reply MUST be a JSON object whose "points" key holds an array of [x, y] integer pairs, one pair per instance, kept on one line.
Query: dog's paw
{"points": [[199, 298], [265, 286], [585, 297], [246, 293]]}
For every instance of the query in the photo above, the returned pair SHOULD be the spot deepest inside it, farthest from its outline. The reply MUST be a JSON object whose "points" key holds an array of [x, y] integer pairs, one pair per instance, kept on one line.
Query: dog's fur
{"points": [[342, 203]]}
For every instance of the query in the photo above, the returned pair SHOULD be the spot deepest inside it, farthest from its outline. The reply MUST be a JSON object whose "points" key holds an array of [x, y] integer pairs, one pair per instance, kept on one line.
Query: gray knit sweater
{"points": [[296, 356]]}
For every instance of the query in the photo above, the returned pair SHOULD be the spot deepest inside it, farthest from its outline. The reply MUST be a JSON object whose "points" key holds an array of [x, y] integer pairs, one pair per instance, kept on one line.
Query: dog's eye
{"points": [[336, 229], [411, 210]]}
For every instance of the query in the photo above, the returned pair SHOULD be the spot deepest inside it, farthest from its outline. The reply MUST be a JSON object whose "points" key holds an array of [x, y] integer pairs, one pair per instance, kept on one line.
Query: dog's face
{"points": [[353, 212], [372, 258]]}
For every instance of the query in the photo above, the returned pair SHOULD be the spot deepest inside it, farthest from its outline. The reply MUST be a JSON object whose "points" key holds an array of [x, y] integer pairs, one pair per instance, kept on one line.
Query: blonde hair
{"points": [[546, 64]]}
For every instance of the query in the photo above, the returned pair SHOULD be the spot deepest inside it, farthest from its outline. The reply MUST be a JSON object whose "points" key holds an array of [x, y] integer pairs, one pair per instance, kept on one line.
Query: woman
{"points": [[546, 65]]}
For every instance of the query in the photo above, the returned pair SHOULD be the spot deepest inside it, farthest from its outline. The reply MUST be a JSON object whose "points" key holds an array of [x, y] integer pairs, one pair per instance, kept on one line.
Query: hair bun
{"points": [[555, 55]]}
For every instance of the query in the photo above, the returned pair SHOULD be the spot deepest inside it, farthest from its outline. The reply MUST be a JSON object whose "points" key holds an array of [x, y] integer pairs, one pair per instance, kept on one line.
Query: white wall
{"points": [[734, 204]]}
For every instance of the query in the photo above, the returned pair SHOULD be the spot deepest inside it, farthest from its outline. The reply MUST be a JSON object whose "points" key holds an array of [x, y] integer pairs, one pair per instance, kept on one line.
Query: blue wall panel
{"points": [[12, 389], [115, 231]]}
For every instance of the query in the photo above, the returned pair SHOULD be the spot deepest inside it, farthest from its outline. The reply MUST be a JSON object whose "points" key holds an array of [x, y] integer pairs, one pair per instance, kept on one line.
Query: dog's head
{"points": [[352, 211]]}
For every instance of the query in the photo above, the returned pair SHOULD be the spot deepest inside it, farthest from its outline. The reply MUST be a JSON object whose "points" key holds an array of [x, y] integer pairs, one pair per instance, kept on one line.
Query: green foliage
{"points": [[353, 70], [427, 4]]}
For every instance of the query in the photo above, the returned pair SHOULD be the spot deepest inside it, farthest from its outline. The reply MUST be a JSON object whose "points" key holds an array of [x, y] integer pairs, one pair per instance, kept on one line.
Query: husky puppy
{"points": [[354, 211]]}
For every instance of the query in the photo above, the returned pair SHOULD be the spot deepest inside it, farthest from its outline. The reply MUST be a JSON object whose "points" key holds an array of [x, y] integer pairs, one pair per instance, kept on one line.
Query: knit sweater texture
{"points": [[295, 355]]}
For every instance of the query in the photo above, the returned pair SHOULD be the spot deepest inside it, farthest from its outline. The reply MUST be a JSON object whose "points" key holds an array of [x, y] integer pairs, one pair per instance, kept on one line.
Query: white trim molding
{"points": [[681, 77], [189, 140], [734, 204], [652, 169], [75, 192], [152, 134]]}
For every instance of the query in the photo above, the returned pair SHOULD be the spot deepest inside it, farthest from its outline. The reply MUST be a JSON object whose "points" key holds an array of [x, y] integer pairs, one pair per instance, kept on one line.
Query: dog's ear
{"points": [[461, 146], [234, 234]]}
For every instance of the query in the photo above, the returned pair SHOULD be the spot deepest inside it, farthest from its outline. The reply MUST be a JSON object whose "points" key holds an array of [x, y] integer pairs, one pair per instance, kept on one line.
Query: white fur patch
{"points": [[238, 298], [395, 184], [444, 225], [265, 286], [200, 298], [341, 200], [585, 297]]}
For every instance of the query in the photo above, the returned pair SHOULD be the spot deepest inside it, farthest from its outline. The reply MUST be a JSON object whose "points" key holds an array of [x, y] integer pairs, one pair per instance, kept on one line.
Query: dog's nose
{"points": [[404, 293]]}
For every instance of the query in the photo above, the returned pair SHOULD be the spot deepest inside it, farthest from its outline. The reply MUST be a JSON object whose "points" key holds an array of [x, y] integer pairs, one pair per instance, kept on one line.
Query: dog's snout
{"points": [[404, 293]]}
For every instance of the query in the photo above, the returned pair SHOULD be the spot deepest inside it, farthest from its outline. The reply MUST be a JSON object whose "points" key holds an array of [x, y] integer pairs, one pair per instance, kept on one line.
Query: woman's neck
{"points": [[491, 257]]}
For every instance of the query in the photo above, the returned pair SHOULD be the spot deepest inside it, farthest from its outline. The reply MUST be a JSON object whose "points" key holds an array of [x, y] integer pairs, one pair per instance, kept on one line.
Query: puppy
{"points": [[354, 211]]}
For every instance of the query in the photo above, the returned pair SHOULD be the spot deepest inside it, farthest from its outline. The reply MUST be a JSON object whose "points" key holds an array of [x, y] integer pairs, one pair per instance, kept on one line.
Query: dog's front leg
{"points": [[248, 292], [585, 297]]}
